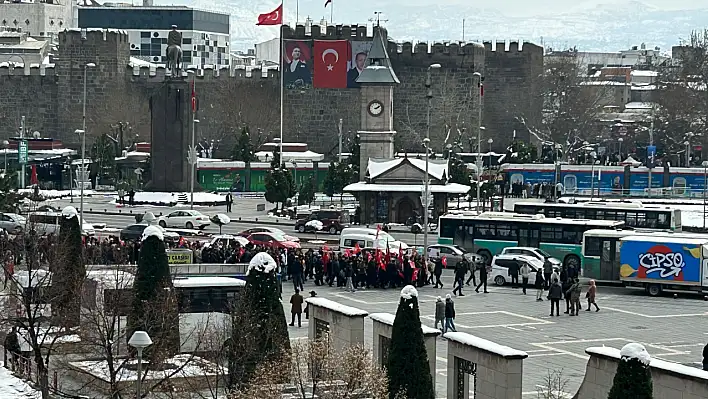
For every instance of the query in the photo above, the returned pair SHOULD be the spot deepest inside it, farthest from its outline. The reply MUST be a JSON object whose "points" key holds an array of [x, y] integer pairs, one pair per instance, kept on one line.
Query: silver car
{"points": [[453, 253], [12, 222]]}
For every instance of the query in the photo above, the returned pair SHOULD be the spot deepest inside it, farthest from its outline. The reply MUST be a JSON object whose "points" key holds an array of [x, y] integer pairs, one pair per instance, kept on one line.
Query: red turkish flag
{"points": [[274, 17], [330, 58]]}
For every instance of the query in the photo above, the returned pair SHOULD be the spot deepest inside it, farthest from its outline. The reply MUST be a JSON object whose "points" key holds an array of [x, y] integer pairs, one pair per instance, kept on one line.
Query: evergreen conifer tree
{"points": [[154, 307], [633, 377], [407, 368], [68, 271], [259, 332]]}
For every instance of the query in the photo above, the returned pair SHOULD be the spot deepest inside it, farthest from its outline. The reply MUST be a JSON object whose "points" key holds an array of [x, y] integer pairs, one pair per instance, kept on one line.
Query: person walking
{"points": [[482, 279], [547, 271], [449, 314], [524, 270], [296, 308], [539, 284], [473, 269], [513, 272], [12, 345], [590, 295], [307, 306], [460, 271], [229, 201], [440, 313], [555, 293], [575, 291], [438, 273], [131, 197], [349, 275], [566, 285]]}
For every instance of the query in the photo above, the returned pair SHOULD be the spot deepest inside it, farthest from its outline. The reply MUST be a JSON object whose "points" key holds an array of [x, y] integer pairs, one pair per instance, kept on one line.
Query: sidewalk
{"points": [[12, 387]]}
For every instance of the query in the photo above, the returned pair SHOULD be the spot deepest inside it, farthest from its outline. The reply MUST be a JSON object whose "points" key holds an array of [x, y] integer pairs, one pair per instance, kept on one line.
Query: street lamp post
{"points": [[688, 153], [592, 174], [619, 146], [426, 144], [192, 157], [478, 76], [139, 340], [556, 148], [489, 168], [82, 133], [295, 170], [5, 146]]}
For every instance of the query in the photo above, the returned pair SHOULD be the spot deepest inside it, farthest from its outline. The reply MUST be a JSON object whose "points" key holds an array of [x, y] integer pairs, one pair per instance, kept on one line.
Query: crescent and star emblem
{"points": [[336, 59], [275, 16]]}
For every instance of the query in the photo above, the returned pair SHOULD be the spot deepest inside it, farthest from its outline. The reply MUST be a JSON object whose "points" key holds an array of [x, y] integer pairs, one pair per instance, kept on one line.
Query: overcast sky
{"points": [[530, 7]]}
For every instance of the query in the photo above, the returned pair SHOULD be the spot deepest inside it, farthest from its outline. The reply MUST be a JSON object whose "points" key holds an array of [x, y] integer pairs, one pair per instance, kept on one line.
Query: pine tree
{"points": [[407, 368], [154, 303], [68, 271], [306, 194], [243, 149], [279, 182], [259, 332], [632, 380], [329, 185]]}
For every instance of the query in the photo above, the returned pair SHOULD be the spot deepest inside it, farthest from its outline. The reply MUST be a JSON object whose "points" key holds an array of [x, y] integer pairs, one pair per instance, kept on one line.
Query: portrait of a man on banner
{"points": [[297, 61], [360, 51]]}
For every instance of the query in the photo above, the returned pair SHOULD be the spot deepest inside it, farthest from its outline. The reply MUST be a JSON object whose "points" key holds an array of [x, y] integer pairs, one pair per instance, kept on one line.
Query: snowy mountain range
{"points": [[604, 27]]}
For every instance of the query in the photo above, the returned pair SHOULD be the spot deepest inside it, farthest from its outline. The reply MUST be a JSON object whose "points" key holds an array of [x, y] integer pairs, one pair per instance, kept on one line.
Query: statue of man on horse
{"points": [[174, 52]]}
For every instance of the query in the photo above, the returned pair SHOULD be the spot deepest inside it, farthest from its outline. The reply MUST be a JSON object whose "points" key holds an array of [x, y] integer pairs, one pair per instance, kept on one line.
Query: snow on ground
{"points": [[12, 387], [50, 194], [159, 198], [193, 367]]}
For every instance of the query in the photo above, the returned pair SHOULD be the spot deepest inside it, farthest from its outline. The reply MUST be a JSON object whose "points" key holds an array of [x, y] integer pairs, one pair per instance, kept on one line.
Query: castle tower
{"points": [[377, 81]]}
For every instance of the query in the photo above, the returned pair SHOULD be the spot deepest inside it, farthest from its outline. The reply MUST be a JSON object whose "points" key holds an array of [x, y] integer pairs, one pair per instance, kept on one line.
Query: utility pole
{"points": [[479, 139], [651, 144], [22, 139], [340, 140]]}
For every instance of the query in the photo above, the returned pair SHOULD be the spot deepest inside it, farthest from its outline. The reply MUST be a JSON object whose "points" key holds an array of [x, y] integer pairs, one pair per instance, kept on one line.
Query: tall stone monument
{"points": [[170, 108]]}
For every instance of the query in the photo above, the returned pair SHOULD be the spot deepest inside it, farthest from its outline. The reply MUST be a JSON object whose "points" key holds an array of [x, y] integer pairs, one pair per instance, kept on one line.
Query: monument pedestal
{"points": [[170, 137]]}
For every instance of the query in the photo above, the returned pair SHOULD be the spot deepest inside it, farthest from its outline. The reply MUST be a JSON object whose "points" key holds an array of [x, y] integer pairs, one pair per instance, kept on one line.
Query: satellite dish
{"points": [[36, 134]]}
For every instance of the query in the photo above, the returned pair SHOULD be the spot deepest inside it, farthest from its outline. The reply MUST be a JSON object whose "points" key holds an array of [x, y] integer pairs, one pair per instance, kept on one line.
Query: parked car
{"points": [[453, 253], [12, 222], [187, 218], [272, 240], [227, 240], [134, 232], [501, 263], [273, 230], [533, 252], [333, 221]]}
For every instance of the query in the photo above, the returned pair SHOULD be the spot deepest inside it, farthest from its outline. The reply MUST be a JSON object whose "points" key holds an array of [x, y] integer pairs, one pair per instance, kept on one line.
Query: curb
{"points": [[158, 214]]}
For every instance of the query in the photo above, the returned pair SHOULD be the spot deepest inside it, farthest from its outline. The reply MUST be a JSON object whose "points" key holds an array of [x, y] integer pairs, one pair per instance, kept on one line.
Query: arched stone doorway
{"points": [[404, 209]]}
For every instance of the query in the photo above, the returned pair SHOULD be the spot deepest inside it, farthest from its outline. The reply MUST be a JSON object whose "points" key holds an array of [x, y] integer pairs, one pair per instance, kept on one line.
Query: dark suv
{"points": [[333, 221]]}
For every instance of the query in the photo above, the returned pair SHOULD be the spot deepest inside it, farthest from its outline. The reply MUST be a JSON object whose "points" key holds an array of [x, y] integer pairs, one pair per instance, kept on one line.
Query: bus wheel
{"points": [[572, 261], [654, 289], [486, 255]]}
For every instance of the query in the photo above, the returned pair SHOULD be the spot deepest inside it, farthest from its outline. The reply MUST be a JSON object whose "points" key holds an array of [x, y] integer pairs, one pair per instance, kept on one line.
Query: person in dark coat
{"points": [[705, 358], [539, 284], [555, 293], [307, 305], [438, 273], [514, 274], [229, 201], [547, 271], [131, 197], [12, 345], [566, 293], [449, 314], [460, 272], [482, 278], [296, 308]]}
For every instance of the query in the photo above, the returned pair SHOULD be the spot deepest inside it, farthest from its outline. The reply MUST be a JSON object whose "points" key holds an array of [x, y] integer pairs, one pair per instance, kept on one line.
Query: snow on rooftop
{"points": [[153, 231], [644, 73], [408, 292], [111, 279], [378, 166], [638, 105], [450, 188], [485, 345], [388, 318], [39, 276], [262, 262], [69, 212], [336, 307], [637, 351]]}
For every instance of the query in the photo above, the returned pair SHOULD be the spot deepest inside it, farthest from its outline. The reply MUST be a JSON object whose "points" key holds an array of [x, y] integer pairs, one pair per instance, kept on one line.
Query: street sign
{"points": [[22, 151], [651, 150]]}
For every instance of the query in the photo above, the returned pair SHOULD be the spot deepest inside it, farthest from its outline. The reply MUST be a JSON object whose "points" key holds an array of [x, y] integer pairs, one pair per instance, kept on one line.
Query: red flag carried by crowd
{"points": [[330, 59], [274, 17], [415, 274], [357, 249], [444, 261]]}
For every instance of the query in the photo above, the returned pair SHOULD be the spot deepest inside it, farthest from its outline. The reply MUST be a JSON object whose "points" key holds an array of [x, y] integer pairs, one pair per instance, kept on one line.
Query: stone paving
{"points": [[672, 329]]}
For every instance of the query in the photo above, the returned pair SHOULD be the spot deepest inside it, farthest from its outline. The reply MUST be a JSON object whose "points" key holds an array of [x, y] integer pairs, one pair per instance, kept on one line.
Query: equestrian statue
{"points": [[174, 52]]}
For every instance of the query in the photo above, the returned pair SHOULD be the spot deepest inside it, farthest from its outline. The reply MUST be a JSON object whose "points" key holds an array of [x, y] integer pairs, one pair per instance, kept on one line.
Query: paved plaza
{"points": [[672, 329]]}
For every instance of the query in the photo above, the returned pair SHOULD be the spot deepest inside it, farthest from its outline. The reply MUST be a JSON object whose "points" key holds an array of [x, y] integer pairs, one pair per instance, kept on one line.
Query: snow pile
{"points": [[69, 212], [336, 307], [223, 219], [184, 366], [55, 194], [13, 387], [408, 292], [315, 224], [149, 218], [153, 231], [262, 262], [637, 351]]}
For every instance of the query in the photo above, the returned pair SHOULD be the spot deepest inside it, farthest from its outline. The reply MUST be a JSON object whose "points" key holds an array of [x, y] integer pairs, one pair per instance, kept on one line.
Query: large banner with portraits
{"points": [[334, 64]]}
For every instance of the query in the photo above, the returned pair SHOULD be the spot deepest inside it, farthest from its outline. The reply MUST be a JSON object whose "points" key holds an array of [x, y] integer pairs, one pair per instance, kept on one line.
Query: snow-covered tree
{"points": [[407, 368], [68, 273], [633, 377]]}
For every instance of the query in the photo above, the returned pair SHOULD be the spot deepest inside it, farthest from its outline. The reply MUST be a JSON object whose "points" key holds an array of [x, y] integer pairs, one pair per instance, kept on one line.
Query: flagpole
{"points": [[282, 86], [331, 12]]}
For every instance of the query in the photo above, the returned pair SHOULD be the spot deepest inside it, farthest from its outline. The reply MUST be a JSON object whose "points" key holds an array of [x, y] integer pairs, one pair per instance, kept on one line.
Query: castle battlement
{"points": [[157, 73], [75, 36], [10, 69], [330, 32], [422, 48], [503, 46]]}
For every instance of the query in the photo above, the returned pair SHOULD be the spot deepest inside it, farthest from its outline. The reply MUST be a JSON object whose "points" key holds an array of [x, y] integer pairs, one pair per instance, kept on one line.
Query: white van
{"points": [[48, 223], [366, 238]]}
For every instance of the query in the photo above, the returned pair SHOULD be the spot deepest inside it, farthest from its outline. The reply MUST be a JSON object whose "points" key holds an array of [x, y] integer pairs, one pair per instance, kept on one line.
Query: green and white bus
{"points": [[488, 233], [600, 256]]}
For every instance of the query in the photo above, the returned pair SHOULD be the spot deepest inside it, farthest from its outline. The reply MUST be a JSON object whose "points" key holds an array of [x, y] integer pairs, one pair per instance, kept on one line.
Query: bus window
{"points": [[572, 235], [592, 246], [506, 232], [664, 220], [449, 226], [484, 231]]}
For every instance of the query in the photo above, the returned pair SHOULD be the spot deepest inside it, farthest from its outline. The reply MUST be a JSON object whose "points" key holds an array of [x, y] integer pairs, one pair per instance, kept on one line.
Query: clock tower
{"points": [[377, 81]]}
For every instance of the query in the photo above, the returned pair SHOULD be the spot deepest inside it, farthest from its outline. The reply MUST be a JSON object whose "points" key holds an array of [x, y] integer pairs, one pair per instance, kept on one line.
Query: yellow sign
{"points": [[179, 256]]}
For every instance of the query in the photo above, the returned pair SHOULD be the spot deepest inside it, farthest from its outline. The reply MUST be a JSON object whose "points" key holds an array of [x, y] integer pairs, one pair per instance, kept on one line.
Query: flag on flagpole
{"points": [[274, 17]]}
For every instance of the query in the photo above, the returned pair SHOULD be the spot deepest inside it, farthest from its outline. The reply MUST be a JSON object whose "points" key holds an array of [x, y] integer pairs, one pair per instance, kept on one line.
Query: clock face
{"points": [[375, 108]]}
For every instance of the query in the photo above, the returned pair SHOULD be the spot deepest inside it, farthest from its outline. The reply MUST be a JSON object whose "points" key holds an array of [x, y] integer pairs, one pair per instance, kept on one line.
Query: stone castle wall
{"points": [[50, 97]]}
